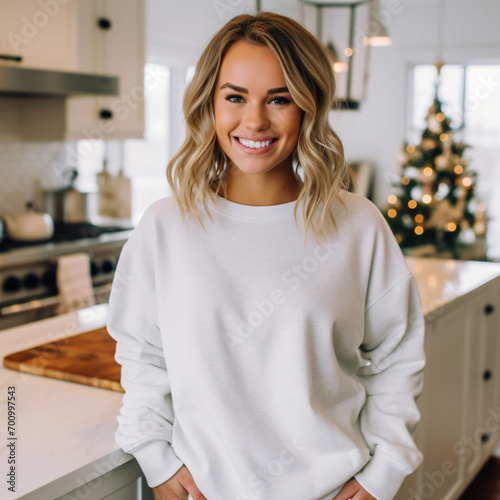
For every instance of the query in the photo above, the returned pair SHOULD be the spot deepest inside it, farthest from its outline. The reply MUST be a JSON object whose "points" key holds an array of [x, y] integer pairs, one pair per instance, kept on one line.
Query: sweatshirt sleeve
{"points": [[393, 350], [146, 417]]}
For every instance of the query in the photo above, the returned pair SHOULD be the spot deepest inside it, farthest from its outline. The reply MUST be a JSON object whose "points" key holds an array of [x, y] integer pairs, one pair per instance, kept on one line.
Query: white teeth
{"points": [[253, 144]]}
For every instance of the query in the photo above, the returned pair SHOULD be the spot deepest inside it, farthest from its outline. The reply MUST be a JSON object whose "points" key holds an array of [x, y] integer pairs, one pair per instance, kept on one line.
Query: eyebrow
{"points": [[245, 91]]}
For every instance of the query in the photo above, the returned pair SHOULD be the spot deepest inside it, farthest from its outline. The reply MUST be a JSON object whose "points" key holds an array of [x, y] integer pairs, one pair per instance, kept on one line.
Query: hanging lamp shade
{"points": [[376, 30]]}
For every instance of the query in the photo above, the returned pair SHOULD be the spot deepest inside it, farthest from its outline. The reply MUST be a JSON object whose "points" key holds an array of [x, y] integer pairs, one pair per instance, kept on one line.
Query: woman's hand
{"points": [[178, 487], [352, 490]]}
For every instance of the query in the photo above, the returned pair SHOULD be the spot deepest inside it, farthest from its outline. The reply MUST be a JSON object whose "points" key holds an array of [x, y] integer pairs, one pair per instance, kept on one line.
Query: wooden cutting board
{"points": [[87, 358]]}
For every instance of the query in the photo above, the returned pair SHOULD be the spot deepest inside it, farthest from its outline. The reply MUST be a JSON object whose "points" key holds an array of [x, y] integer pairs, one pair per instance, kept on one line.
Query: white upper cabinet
{"points": [[91, 36], [39, 33], [114, 45]]}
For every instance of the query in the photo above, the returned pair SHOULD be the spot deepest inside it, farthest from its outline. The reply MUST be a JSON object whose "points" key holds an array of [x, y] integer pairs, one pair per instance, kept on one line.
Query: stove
{"points": [[28, 270]]}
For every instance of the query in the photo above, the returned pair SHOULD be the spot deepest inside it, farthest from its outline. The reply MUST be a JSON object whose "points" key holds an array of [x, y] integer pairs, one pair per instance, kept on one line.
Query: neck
{"points": [[279, 185]]}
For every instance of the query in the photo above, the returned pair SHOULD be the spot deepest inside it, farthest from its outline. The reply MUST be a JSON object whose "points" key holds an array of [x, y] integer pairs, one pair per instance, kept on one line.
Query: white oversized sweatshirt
{"points": [[271, 368]]}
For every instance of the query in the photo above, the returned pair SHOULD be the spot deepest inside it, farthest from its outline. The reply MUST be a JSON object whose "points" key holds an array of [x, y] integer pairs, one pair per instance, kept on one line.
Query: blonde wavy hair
{"points": [[200, 163]]}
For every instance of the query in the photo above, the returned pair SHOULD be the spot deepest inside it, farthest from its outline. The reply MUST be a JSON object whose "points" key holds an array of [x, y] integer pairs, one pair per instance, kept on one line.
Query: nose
{"points": [[256, 118]]}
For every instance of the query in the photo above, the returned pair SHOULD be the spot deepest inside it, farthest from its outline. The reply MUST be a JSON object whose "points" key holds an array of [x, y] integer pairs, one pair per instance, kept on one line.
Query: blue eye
{"points": [[281, 100], [234, 98]]}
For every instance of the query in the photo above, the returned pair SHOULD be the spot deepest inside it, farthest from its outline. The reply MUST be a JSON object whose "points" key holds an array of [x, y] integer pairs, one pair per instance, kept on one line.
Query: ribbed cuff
{"points": [[157, 461], [382, 476]]}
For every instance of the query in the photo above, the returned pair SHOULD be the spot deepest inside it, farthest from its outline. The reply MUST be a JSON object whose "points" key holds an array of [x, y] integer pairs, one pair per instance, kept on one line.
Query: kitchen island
{"points": [[65, 431]]}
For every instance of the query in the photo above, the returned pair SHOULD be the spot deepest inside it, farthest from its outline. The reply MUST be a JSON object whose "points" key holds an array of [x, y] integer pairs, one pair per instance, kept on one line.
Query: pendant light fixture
{"points": [[377, 35], [351, 28]]}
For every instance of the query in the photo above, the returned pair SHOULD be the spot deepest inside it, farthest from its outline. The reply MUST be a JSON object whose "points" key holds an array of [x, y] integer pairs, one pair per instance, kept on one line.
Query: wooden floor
{"points": [[486, 486]]}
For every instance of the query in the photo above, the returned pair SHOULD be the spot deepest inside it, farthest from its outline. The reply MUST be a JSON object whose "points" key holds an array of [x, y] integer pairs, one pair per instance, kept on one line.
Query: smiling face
{"points": [[257, 122]]}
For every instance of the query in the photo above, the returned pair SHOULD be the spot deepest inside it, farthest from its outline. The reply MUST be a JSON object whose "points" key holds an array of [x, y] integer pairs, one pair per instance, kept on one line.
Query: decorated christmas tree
{"points": [[435, 202]]}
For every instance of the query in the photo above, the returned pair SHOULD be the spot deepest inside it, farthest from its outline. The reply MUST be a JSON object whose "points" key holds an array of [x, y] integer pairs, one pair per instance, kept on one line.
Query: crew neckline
{"points": [[254, 212]]}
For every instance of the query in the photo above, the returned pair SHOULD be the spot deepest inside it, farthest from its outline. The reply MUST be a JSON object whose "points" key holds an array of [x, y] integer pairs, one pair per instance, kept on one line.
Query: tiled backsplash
{"points": [[25, 167]]}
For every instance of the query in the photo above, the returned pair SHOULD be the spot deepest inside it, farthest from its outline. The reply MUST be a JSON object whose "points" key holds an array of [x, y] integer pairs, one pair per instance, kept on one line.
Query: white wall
{"points": [[179, 29]]}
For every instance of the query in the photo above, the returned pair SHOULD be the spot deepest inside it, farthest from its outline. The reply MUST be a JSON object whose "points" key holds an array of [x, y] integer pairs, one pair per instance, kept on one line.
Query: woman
{"points": [[259, 363]]}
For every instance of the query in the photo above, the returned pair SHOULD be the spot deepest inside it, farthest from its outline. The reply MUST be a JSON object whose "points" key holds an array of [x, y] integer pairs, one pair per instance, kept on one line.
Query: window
{"points": [[471, 98], [145, 160]]}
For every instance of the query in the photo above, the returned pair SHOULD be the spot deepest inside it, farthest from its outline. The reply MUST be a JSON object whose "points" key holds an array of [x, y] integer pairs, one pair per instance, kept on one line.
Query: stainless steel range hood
{"points": [[19, 81]]}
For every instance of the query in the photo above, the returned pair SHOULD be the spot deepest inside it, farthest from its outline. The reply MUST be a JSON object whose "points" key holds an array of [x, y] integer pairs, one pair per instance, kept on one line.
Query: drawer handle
{"points": [[487, 375], [485, 438], [29, 306], [106, 114], [489, 309], [104, 23], [6, 57]]}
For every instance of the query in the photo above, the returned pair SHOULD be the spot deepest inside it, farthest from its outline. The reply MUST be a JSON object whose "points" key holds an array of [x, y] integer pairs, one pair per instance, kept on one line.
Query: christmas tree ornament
{"points": [[442, 191], [434, 125], [407, 220], [441, 162], [417, 192], [429, 144]]}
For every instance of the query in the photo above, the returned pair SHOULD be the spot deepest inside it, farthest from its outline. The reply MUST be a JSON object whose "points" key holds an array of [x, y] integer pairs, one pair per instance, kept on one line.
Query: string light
{"points": [[427, 198], [410, 149], [451, 226], [458, 169], [440, 117], [392, 213], [428, 171], [405, 180], [419, 230], [412, 204], [443, 137], [466, 181], [348, 52], [340, 67], [392, 199], [419, 218]]}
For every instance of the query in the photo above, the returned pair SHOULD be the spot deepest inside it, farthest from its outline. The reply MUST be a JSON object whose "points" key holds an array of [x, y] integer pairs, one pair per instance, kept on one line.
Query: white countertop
{"points": [[66, 430], [442, 281]]}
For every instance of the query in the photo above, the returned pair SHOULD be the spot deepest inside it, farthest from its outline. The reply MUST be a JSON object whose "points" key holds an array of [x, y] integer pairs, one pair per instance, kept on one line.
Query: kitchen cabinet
{"points": [[460, 404], [114, 45], [39, 33], [91, 36]]}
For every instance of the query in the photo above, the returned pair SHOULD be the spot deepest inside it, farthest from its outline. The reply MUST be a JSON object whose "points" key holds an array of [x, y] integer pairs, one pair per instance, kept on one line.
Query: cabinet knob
{"points": [[6, 57], [105, 114], [485, 438], [32, 281], [94, 268], [489, 309], [108, 266], [487, 375], [104, 23], [12, 284]]}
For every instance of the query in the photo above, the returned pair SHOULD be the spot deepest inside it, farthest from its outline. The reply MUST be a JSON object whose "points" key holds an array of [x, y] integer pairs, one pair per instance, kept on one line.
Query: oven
{"points": [[28, 271]]}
